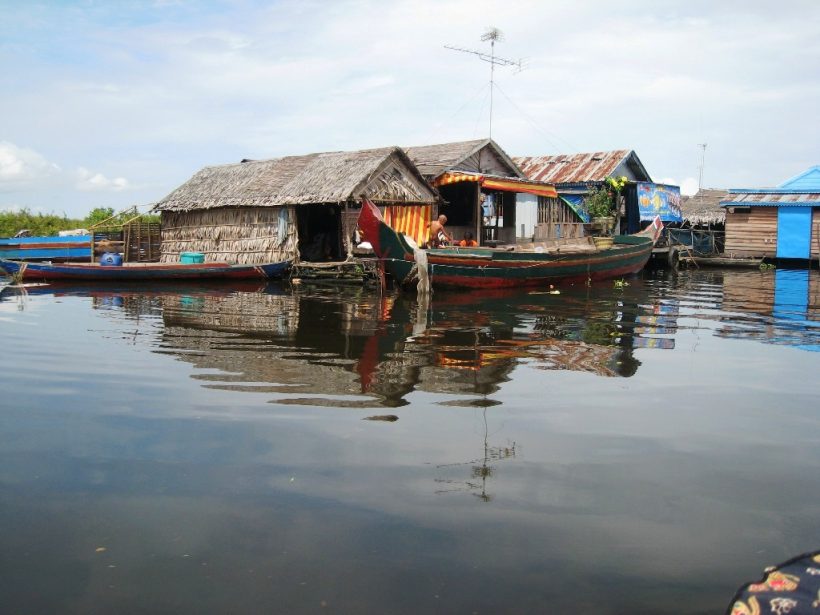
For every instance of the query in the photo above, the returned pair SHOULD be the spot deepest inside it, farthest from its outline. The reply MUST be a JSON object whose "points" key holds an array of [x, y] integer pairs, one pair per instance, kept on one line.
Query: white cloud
{"points": [[19, 165], [90, 181], [688, 186]]}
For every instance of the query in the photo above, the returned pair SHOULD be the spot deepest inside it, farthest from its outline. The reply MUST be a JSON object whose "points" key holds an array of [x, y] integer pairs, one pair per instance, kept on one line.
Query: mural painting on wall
{"points": [[659, 200]]}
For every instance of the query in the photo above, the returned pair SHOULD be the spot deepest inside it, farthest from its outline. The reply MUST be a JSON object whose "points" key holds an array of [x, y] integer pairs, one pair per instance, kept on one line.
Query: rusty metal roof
{"points": [[577, 168], [771, 198]]}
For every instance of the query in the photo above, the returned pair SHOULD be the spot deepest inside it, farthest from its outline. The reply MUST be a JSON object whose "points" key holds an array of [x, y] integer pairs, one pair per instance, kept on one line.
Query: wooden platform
{"points": [[720, 261], [354, 271]]}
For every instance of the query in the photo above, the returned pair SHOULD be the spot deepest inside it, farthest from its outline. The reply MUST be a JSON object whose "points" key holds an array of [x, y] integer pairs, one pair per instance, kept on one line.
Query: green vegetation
{"points": [[599, 203], [44, 225], [98, 215], [39, 224]]}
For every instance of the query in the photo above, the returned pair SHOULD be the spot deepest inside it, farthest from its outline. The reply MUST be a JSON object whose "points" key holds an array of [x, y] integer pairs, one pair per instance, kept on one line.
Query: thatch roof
{"points": [[433, 160], [703, 208], [384, 174]]}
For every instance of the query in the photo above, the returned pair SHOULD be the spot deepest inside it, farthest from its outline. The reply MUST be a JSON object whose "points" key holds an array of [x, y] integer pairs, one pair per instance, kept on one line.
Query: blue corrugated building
{"points": [[782, 222]]}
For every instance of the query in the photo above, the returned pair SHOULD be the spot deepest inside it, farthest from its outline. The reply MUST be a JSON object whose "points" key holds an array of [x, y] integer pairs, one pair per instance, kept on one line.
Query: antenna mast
{"points": [[702, 160], [492, 35]]}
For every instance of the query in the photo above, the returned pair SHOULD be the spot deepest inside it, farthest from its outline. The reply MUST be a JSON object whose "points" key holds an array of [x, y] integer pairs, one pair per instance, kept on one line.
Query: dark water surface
{"points": [[642, 449]]}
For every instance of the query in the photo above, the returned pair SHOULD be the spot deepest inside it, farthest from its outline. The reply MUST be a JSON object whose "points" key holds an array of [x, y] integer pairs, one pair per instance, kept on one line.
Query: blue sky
{"points": [[117, 103]]}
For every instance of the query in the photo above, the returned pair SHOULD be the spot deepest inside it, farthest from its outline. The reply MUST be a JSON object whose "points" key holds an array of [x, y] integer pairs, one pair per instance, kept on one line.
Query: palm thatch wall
{"points": [[243, 235], [232, 212]]}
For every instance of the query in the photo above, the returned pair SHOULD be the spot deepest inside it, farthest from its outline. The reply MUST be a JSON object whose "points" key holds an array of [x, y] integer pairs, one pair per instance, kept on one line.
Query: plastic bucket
{"points": [[111, 259], [190, 258]]}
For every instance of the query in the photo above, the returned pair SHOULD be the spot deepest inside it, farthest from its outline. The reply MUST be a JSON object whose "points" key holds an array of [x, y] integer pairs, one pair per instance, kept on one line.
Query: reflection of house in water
{"points": [[343, 343], [781, 306]]}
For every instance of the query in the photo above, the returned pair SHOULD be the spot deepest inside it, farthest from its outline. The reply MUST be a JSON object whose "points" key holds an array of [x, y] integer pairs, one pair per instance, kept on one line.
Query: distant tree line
{"points": [[43, 225]]}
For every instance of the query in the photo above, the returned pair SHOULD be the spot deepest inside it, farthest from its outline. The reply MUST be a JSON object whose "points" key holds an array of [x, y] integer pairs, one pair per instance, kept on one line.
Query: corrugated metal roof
{"points": [[771, 198], [563, 168]]}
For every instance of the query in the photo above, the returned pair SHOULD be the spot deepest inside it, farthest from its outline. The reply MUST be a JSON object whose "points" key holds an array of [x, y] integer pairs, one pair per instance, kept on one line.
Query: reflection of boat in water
{"points": [[347, 347], [499, 267]]}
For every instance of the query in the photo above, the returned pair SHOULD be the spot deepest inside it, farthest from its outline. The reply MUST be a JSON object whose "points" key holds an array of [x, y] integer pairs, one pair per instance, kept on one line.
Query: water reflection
{"points": [[779, 307], [347, 347], [480, 469], [545, 437], [351, 347]]}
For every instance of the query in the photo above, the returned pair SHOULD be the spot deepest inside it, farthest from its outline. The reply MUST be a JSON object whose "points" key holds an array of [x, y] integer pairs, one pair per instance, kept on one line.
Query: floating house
{"points": [[296, 207], [479, 184], [782, 222], [703, 222], [576, 175]]}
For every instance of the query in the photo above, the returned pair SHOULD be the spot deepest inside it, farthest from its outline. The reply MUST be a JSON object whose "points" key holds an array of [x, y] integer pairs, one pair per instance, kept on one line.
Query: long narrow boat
{"points": [[500, 267], [75, 247], [48, 272]]}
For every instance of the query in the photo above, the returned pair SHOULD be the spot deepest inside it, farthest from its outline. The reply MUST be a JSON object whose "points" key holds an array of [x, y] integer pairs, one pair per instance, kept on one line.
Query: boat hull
{"points": [[44, 272], [46, 248], [493, 268]]}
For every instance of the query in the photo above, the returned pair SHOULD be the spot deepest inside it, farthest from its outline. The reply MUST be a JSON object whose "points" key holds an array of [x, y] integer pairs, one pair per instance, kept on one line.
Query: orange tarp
{"points": [[506, 184], [412, 220]]}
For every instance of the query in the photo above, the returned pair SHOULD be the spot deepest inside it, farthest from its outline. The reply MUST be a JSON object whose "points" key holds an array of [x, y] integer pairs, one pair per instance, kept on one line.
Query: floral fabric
{"points": [[792, 588]]}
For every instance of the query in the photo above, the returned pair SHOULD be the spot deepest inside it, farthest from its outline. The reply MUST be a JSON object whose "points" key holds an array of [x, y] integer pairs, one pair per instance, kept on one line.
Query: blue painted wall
{"points": [[807, 180]]}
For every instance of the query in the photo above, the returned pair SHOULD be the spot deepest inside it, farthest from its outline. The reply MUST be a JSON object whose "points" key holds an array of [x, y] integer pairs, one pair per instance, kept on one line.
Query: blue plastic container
{"points": [[190, 258], [111, 259]]}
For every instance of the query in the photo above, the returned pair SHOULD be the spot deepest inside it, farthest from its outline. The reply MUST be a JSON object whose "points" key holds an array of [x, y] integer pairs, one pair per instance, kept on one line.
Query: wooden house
{"points": [[478, 183], [782, 222], [297, 207], [576, 175]]}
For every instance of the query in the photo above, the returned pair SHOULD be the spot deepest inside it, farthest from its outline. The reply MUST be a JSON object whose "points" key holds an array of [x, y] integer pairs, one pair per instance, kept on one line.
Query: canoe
{"points": [[50, 272], [501, 267]]}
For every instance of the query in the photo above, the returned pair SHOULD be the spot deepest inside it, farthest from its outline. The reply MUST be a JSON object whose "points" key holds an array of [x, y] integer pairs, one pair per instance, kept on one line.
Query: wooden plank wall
{"points": [[554, 214], [815, 233], [753, 233]]}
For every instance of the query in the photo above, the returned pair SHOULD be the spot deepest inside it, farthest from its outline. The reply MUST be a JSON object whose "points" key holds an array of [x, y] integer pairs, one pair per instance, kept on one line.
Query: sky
{"points": [[116, 103]]}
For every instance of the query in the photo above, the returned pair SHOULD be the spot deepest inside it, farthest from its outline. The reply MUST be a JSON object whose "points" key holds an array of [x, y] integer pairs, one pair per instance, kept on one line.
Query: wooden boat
{"points": [[50, 272], [500, 267], [74, 247]]}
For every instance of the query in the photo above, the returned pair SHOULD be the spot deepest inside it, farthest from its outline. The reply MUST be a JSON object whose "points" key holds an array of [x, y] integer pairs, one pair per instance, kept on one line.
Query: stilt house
{"points": [[782, 222], [478, 183], [575, 175], [297, 207]]}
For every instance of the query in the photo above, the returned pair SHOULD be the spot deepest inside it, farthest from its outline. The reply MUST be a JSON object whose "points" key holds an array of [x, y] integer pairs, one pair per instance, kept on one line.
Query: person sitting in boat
{"points": [[468, 241], [438, 236]]}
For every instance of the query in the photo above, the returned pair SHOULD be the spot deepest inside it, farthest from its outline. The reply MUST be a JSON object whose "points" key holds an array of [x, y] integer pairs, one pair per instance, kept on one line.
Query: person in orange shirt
{"points": [[468, 241]]}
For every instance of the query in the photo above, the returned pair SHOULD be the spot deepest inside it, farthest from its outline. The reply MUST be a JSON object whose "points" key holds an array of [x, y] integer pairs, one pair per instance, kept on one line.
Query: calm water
{"points": [[643, 449]]}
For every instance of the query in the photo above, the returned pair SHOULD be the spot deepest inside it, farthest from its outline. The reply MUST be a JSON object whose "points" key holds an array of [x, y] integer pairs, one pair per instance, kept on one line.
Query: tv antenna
{"points": [[492, 35], [702, 146]]}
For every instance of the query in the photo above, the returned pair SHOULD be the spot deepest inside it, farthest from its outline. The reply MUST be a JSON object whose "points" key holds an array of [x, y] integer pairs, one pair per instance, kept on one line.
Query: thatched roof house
{"points": [[279, 209], [703, 208], [478, 183], [482, 156]]}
